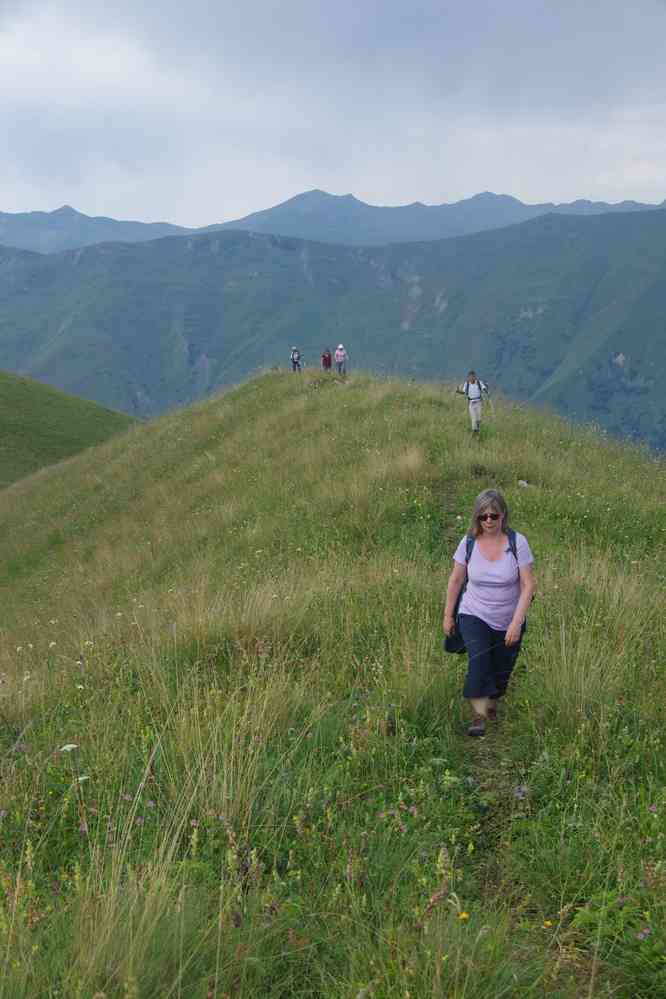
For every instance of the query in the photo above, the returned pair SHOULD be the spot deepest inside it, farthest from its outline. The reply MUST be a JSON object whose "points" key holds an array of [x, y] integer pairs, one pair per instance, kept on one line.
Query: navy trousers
{"points": [[490, 661]]}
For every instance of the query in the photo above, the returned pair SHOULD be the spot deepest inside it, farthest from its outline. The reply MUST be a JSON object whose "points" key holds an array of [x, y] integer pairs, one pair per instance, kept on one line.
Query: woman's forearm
{"points": [[524, 601], [452, 592]]}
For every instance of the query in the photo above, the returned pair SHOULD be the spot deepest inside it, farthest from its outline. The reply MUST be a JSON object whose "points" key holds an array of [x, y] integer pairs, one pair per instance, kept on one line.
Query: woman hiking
{"points": [[493, 570], [341, 358]]}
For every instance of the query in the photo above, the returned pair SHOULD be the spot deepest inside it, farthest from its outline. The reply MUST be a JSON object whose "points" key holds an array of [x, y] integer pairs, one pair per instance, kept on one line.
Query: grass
{"points": [[42, 426], [233, 615]]}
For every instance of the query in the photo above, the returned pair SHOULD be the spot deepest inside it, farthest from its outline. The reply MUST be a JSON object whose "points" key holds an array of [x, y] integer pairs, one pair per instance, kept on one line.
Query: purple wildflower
{"points": [[150, 803], [644, 933], [194, 823], [652, 808], [521, 791]]}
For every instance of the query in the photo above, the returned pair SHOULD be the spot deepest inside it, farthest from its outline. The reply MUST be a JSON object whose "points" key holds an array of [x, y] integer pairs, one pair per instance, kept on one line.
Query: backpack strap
{"points": [[469, 547]]}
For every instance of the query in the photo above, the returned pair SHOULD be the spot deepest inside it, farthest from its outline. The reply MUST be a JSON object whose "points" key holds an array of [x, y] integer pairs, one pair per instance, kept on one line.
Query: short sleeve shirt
{"points": [[493, 588]]}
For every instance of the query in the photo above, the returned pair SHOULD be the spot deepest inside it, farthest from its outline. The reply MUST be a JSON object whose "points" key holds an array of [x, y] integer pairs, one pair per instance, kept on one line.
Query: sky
{"points": [[198, 113]]}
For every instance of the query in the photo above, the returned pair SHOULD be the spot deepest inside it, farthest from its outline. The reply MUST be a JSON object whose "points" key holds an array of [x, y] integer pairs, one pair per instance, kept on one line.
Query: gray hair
{"points": [[488, 498]]}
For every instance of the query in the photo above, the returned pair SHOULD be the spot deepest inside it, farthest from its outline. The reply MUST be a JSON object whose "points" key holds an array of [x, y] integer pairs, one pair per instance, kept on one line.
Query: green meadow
{"points": [[40, 426], [234, 760]]}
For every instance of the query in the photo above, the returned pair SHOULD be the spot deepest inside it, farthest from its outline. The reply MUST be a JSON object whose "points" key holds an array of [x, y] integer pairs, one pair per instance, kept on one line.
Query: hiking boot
{"points": [[478, 726], [492, 713]]}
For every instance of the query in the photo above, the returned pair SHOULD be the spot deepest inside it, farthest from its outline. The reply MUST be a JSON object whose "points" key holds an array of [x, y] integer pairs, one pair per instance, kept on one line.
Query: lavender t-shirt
{"points": [[493, 588]]}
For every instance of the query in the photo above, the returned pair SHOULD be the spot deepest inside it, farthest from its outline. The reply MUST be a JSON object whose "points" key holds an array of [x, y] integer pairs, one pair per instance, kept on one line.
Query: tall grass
{"points": [[233, 614]]}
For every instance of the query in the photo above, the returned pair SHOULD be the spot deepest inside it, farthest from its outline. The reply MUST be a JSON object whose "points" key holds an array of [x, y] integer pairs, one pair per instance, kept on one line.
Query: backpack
{"points": [[295, 355], [455, 642], [482, 388]]}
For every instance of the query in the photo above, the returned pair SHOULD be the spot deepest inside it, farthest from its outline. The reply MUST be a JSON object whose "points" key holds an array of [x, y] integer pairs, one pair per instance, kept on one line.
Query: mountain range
{"points": [[312, 215], [344, 219], [564, 310]]}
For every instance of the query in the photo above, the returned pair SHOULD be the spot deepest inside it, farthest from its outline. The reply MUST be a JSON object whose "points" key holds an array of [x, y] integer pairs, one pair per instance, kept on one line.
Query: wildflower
{"points": [[3, 813], [68, 747], [194, 823], [463, 916], [547, 923], [139, 820], [83, 828], [521, 791], [150, 803], [54, 620], [652, 808], [19, 648], [644, 933], [52, 645]]}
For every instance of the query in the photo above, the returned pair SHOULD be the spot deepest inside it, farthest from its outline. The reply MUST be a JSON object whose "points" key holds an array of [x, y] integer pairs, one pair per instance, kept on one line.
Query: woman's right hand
{"points": [[449, 624]]}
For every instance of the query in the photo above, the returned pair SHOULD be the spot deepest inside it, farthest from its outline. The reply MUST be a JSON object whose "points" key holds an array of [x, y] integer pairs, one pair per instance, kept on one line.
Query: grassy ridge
{"points": [[233, 614], [41, 426]]}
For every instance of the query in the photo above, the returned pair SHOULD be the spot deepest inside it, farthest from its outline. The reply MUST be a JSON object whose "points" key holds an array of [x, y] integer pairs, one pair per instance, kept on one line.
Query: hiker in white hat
{"points": [[341, 358]]}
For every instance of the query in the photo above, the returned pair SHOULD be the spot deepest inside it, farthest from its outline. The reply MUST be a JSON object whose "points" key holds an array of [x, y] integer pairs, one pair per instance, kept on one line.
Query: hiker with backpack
{"points": [[488, 594], [474, 390], [295, 359], [341, 358], [326, 360]]}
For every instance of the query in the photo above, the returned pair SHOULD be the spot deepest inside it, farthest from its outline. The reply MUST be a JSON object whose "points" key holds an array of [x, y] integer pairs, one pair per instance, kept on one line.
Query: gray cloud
{"points": [[196, 113]]}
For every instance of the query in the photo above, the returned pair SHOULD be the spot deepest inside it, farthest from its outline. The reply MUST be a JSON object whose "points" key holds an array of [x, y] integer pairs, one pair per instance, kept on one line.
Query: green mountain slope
{"points": [[233, 756], [569, 311], [40, 426]]}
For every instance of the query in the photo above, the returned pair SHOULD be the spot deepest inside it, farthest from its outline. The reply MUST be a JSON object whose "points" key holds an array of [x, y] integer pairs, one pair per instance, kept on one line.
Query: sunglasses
{"points": [[489, 516]]}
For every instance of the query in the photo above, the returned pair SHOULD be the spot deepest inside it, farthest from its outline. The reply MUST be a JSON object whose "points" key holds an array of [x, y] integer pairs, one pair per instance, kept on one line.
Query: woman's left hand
{"points": [[512, 634]]}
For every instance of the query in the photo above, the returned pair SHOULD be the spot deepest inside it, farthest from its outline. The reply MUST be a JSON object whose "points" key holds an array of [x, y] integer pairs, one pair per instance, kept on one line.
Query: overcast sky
{"points": [[197, 112]]}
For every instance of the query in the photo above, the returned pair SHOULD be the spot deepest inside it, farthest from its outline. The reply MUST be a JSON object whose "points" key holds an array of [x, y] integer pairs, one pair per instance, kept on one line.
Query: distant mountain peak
{"points": [[65, 211]]}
